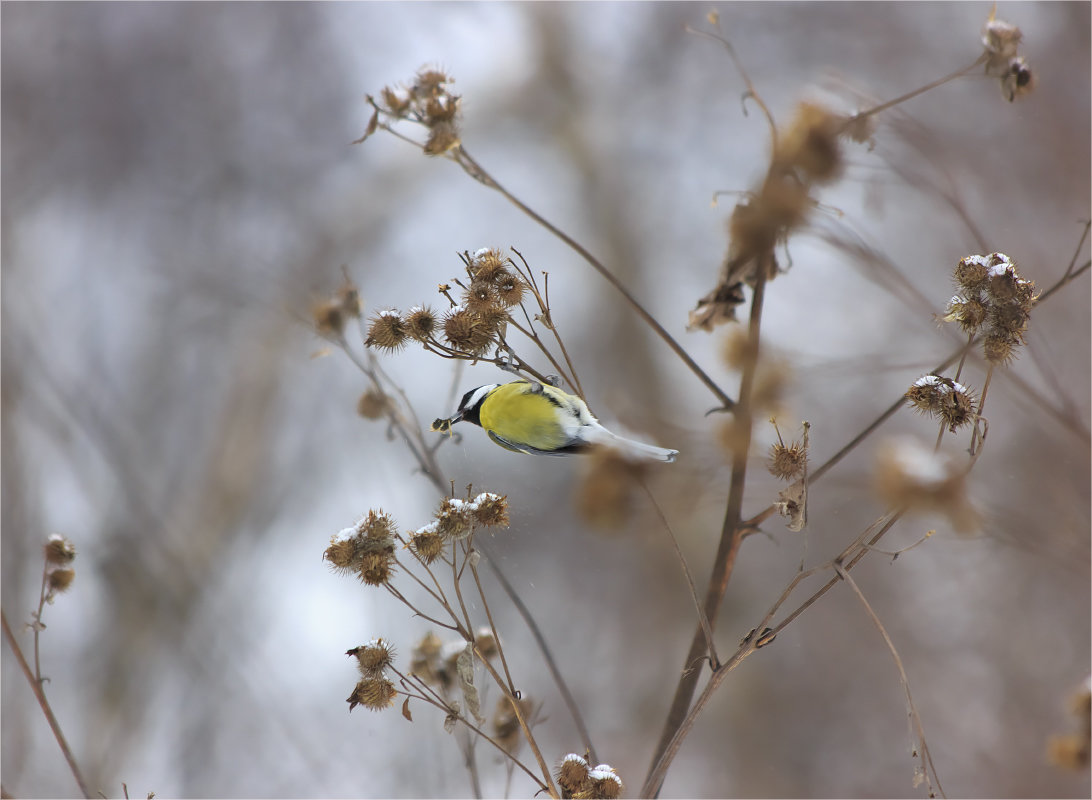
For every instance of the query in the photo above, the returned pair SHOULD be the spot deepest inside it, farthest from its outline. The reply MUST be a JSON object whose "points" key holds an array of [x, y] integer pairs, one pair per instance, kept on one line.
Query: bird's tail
{"points": [[628, 447]]}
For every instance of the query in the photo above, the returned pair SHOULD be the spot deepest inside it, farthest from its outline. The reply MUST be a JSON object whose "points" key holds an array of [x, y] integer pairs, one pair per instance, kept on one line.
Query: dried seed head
{"points": [[387, 332], [373, 404], [572, 775], [491, 322], [421, 323], [376, 566], [343, 554], [943, 398], [441, 109], [377, 526], [329, 318], [911, 476], [970, 313], [372, 658], [480, 296], [1010, 319], [487, 264], [999, 348], [491, 510], [787, 462], [431, 83], [395, 101], [464, 331], [510, 289], [506, 728], [427, 543], [59, 580], [374, 694], [444, 136], [971, 273], [59, 551], [454, 519], [486, 643], [1000, 40], [425, 662], [605, 495], [810, 144], [605, 783]]}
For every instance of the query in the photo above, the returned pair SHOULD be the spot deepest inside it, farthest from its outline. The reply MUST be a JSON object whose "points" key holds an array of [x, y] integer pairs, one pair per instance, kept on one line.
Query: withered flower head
{"points": [[421, 323], [455, 518], [510, 289], [329, 318], [431, 82], [59, 550], [443, 136], [387, 332], [489, 265], [343, 552], [464, 331], [943, 398], [372, 404], [427, 543], [1000, 40], [605, 783], [506, 728], [60, 579], [373, 658], [909, 475], [787, 461], [480, 296], [485, 642], [970, 312], [972, 272], [491, 509], [809, 146], [374, 694], [395, 101], [572, 774]]}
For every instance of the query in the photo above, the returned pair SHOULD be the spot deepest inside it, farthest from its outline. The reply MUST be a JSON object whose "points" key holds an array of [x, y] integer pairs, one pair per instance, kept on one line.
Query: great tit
{"points": [[530, 417]]}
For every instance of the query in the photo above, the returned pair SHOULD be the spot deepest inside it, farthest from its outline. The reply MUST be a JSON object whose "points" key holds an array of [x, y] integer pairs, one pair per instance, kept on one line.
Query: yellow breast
{"points": [[519, 415]]}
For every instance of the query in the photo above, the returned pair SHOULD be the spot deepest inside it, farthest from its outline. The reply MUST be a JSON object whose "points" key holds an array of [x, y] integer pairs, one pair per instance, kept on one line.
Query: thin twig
{"points": [[702, 619], [39, 693], [919, 729]]}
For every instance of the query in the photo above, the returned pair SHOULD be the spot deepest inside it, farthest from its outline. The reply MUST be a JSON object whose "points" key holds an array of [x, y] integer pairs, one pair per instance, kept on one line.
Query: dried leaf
{"points": [[464, 665], [405, 710]]}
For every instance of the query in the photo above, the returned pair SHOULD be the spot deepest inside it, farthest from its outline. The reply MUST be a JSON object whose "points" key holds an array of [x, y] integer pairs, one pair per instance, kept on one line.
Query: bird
{"points": [[539, 419]]}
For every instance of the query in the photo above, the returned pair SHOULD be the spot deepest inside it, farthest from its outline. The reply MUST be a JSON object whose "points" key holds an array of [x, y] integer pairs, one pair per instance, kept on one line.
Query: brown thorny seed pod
{"points": [[480, 296], [375, 694], [60, 579], [421, 323], [372, 404], [454, 519], [427, 543], [995, 302], [464, 331], [329, 318], [387, 332], [373, 658], [944, 399], [488, 265], [577, 780], [491, 509], [59, 551], [787, 462]]}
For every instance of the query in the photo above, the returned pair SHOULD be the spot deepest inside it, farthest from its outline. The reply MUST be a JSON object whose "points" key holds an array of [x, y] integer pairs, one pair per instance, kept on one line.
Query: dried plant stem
{"points": [[551, 665], [514, 701], [732, 535], [439, 702], [922, 90], [922, 751], [660, 766], [703, 620], [475, 170], [43, 703]]}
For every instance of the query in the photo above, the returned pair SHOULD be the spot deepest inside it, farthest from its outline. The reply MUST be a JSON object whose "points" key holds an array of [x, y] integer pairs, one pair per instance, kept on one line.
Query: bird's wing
{"points": [[567, 450]]}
